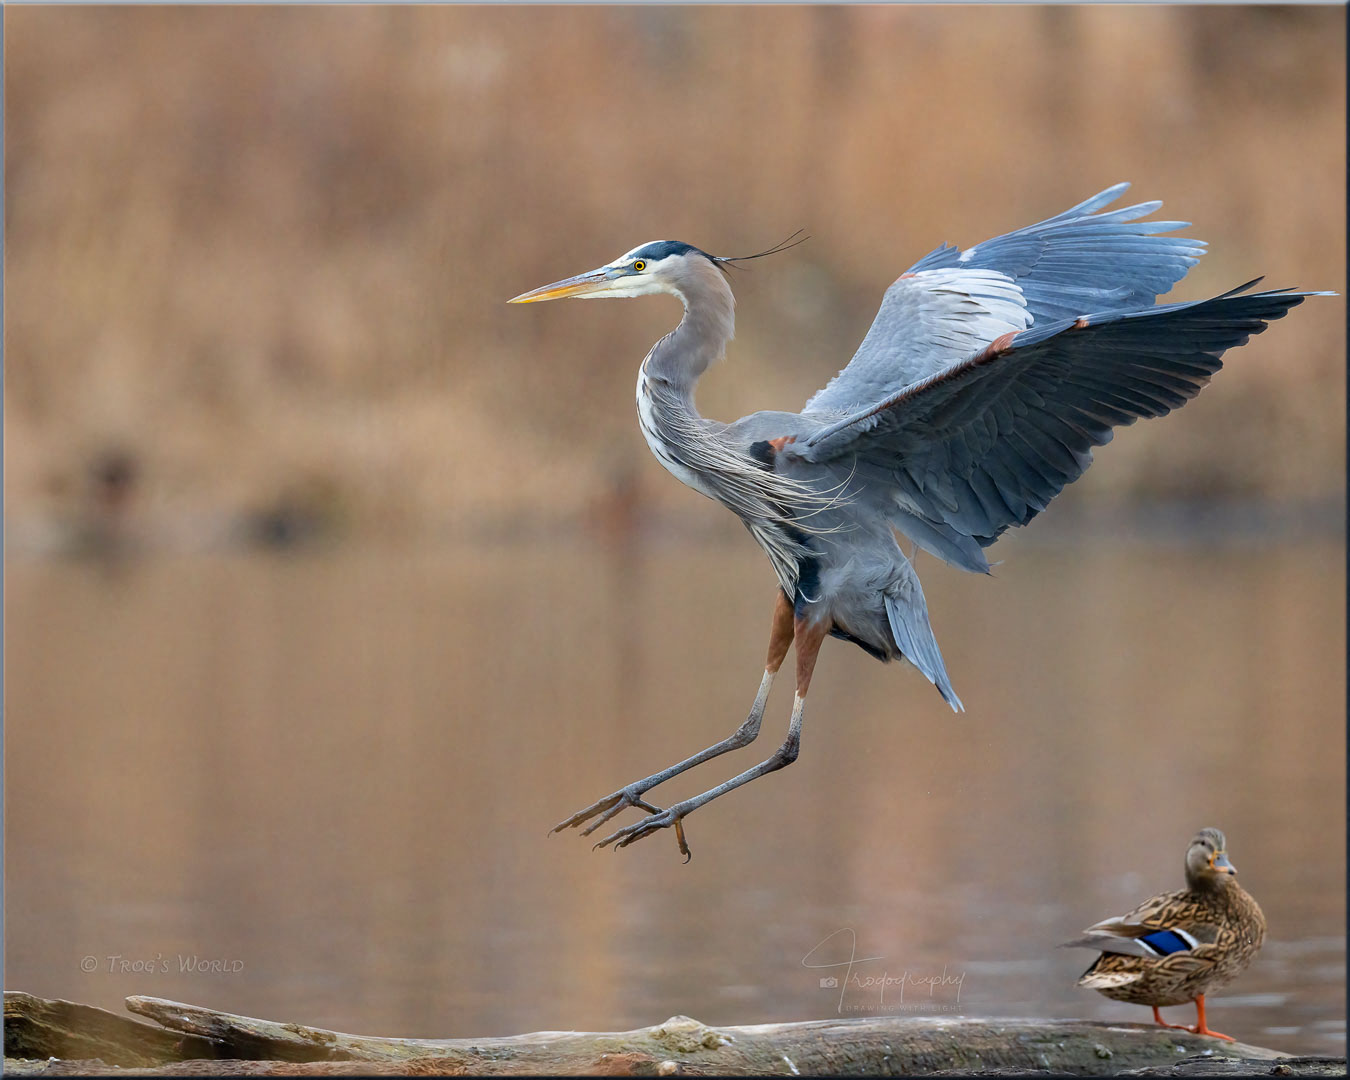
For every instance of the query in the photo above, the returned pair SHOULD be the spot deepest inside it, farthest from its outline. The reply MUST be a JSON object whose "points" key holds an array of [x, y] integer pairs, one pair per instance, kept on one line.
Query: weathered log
{"points": [[617, 1065], [42, 1027], [1211, 1066], [680, 1046]]}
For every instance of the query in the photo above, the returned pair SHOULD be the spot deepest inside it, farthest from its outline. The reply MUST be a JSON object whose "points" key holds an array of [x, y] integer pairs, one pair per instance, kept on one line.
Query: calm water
{"points": [[333, 775]]}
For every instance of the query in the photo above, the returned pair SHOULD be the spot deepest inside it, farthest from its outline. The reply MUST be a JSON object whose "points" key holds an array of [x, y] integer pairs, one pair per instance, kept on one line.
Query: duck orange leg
{"points": [[1201, 1028], [1157, 1019]]}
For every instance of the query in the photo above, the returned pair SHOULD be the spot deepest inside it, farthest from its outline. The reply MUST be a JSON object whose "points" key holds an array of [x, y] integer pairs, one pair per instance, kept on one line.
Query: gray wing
{"points": [[1077, 262], [987, 443], [928, 321]]}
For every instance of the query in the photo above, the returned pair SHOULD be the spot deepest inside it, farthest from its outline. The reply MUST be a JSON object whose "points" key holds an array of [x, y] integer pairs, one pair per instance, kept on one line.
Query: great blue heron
{"points": [[986, 378]]}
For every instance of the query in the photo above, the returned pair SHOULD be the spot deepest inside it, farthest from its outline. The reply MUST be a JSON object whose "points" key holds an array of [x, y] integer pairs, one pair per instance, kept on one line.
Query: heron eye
{"points": [[639, 266]]}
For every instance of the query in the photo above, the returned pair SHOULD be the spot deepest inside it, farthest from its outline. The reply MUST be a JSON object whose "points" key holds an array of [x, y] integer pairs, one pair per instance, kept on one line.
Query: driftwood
{"points": [[63, 1038], [1211, 1066], [39, 1028]]}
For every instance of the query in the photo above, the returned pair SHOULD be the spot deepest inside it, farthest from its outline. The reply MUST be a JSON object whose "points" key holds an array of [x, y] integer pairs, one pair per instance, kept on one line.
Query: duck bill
{"points": [[1222, 864], [587, 284]]}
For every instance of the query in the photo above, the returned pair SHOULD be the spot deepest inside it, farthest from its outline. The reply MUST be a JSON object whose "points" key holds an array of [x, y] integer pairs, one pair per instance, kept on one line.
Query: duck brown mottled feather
{"points": [[1227, 923]]}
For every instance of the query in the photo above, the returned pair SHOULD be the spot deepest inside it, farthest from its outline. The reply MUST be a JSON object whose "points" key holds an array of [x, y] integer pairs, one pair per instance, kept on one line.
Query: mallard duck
{"points": [[1172, 949]]}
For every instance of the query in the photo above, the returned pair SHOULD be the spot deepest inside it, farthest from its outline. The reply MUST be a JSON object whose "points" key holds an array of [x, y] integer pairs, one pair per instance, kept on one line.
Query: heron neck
{"points": [[709, 322]]}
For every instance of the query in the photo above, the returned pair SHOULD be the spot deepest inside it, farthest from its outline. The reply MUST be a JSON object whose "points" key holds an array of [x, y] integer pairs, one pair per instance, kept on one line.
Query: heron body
{"points": [[984, 382]]}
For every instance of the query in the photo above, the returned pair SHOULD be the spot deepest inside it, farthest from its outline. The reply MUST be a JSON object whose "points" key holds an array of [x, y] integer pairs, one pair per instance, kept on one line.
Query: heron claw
{"points": [[605, 809], [665, 819]]}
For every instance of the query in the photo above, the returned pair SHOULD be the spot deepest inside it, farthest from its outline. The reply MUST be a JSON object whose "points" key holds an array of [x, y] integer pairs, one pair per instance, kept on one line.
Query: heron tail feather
{"points": [[907, 612]]}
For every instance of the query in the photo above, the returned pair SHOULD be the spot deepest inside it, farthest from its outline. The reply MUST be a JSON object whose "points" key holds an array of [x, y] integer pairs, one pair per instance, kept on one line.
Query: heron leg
{"points": [[807, 637], [780, 637]]}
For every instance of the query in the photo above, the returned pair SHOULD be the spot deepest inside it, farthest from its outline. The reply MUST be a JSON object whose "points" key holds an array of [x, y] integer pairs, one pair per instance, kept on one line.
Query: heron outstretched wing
{"points": [[1077, 262], [986, 443]]}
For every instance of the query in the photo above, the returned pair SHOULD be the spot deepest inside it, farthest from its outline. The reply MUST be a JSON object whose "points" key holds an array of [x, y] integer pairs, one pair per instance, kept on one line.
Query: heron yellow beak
{"points": [[587, 284]]}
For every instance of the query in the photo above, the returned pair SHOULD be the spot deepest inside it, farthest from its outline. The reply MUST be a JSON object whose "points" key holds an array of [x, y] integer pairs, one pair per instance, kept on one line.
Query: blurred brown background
{"points": [[258, 256], [256, 268]]}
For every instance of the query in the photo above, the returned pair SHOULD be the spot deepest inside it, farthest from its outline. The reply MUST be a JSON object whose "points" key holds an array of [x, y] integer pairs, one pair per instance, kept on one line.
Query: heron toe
{"points": [[671, 817], [606, 808]]}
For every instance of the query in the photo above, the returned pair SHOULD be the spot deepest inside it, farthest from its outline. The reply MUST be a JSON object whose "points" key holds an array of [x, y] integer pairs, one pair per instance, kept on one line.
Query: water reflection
{"points": [[334, 773]]}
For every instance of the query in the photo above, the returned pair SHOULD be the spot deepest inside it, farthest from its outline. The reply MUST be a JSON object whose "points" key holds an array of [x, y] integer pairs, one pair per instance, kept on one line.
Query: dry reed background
{"points": [[263, 251], [261, 255]]}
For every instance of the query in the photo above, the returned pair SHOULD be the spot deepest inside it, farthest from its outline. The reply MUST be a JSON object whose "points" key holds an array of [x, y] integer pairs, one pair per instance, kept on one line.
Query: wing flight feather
{"points": [[1083, 260], [985, 444]]}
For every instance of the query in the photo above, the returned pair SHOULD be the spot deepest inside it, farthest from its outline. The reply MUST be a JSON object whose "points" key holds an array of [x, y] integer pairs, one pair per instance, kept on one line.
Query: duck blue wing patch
{"points": [[1166, 942]]}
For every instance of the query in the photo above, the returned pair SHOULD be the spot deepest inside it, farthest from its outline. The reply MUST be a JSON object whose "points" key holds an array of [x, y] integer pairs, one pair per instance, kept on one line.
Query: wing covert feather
{"points": [[928, 321]]}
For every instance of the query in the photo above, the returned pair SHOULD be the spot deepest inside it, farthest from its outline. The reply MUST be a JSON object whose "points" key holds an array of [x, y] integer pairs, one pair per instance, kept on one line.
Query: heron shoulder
{"points": [[770, 426]]}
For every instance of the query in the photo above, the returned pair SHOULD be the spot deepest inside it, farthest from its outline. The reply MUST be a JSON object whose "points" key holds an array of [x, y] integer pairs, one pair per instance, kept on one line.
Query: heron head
{"points": [[1207, 862], [662, 266]]}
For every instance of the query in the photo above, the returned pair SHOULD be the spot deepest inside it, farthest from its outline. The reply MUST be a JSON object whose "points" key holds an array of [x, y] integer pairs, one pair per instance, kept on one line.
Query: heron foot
{"points": [[671, 817], [607, 808]]}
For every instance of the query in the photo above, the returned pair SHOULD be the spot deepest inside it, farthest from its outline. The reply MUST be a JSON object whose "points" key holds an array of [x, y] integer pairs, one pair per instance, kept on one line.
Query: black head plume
{"points": [[731, 260]]}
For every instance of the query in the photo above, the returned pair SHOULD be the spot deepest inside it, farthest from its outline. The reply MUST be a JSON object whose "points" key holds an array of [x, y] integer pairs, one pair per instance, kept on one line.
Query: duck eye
{"points": [[639, 266]]}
